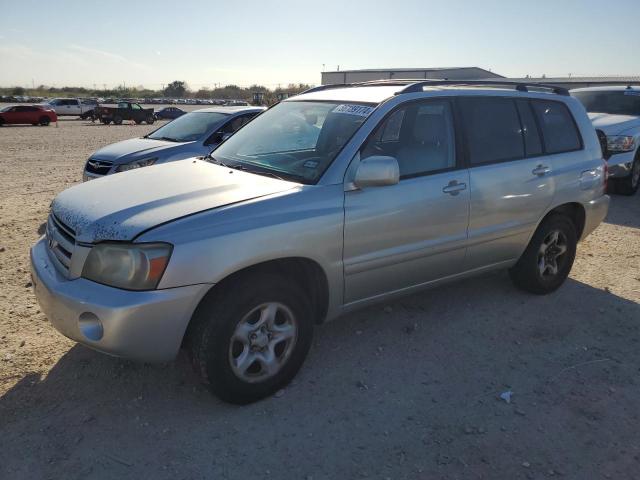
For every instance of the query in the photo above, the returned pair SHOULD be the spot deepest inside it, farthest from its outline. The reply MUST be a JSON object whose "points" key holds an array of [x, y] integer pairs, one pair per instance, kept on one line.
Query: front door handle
{"points": [[454, 188], [541, 170]]}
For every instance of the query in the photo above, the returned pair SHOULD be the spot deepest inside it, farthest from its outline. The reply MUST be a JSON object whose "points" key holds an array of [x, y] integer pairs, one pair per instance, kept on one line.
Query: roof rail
{"points": [[319, 88], [520, 86], [411, 85]]}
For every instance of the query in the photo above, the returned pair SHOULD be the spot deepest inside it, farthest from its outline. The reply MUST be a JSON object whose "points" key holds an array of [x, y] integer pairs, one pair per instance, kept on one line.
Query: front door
{"points": [[414, 232]]}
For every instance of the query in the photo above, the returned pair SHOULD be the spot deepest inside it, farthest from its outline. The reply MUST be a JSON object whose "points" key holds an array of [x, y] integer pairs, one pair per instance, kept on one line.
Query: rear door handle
{"points": [[541, 170], [454, 188]]}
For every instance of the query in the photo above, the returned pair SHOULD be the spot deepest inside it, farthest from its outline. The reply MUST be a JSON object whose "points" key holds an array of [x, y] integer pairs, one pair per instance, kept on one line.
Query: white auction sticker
{"points": [[360, 110]]}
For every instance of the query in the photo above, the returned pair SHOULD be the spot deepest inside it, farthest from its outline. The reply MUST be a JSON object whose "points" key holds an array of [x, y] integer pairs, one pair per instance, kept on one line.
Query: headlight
{"points": [[620, 143], [137, 164], [132, 266]]}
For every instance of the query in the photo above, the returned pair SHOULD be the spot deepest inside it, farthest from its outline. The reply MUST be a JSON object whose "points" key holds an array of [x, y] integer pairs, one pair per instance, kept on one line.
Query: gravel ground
{"points": [[407, 390]]}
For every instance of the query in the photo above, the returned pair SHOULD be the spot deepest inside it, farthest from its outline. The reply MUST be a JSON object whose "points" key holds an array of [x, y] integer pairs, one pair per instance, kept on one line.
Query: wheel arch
{"points": [[306, 272], [575, 211]]}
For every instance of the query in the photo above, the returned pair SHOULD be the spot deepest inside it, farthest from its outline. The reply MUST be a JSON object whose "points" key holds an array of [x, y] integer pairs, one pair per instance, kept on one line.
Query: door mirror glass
{"points": [[377, 171]]}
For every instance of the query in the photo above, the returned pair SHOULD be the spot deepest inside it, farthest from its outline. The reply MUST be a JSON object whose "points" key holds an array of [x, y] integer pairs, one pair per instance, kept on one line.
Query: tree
{"points": [[176, 89], [17, 91]]}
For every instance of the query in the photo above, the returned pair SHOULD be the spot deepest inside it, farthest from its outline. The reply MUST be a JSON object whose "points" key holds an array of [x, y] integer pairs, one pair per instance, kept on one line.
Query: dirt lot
{"points": [[408, 390]]}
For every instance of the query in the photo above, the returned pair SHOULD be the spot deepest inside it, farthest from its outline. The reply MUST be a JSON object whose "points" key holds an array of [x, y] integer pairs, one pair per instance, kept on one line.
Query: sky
{"points": [[151, 43]]}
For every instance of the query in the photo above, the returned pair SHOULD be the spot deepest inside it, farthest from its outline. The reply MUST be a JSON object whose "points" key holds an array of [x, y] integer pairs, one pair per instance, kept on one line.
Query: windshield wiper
{"points": [[168, 139]]}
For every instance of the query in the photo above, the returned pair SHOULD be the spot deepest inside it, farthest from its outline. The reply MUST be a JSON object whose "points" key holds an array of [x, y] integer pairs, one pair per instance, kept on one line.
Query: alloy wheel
{"points": [[262, 342], [551, 254]]}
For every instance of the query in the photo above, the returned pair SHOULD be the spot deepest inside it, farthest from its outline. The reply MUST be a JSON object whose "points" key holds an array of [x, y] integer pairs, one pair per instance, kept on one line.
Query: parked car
{"points": [[615, 113], [71, 106], [169, 113], [125, 111], [194, 134], [33, 114], [237, 256]]}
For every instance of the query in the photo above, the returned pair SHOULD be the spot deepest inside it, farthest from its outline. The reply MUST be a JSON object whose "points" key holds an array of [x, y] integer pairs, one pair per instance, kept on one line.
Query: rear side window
{"points": [[532, 143], [492, 129], [559, 131]]}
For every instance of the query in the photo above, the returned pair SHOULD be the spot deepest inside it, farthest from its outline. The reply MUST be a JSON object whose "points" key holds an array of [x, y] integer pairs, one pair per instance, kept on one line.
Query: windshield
{"points": [[188, 128], [295, 140], [5, 109], [622, 102]]}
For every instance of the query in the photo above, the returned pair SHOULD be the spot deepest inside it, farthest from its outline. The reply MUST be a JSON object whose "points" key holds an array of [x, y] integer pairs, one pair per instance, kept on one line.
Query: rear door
{"points": [[414, 232], [511, 178]]}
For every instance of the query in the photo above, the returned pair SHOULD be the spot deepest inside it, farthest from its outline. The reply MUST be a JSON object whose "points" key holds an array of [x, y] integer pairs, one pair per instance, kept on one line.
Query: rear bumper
{"points": [[147, 326], [595, 212]]}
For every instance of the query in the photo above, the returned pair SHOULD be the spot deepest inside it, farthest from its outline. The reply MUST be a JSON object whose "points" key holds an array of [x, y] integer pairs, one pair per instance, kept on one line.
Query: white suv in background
{"points": [[615, 113]]}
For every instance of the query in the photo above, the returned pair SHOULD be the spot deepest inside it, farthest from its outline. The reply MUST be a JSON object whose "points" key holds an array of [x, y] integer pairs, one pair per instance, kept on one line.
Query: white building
{"points": [[455, 73]]}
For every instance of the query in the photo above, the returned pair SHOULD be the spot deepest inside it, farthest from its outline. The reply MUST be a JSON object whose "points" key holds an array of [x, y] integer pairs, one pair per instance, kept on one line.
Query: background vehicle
{"points": [[191, 135], [169, 113], [72, 106], [405, 185], [125, 111], [33, 114], [615, 113]]}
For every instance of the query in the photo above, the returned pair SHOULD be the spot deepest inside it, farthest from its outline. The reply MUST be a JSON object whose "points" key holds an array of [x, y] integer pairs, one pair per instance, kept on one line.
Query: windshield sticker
{"points": [[635, 93], [360, 110], [310, 164]]}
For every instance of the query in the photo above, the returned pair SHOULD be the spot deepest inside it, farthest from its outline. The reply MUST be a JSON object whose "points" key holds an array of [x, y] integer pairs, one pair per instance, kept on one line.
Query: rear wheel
{"points": [[548, 259], [150, 120], [249, 344], [44, 121], [1, 121], [117, 119], [629, 185]]}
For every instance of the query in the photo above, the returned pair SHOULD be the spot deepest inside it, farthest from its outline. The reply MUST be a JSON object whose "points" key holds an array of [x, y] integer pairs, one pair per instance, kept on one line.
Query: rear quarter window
{"points": [[559, 131]]}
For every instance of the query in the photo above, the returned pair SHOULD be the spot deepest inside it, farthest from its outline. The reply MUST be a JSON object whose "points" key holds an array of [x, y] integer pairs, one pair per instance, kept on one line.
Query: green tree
{"points": [[17, 91], [176, 89]]}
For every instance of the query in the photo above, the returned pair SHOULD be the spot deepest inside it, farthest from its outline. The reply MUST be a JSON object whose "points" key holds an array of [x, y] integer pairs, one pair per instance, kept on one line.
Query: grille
{"points": [[61, 240], [98, 167]]}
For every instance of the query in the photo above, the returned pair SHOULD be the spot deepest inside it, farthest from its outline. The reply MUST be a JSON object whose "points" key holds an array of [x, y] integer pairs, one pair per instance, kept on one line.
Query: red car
{"points": [[33, 114]]}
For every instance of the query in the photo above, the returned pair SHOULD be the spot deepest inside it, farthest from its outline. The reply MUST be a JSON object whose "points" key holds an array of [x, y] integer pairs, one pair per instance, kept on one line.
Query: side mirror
{"points": [[377, 171]]}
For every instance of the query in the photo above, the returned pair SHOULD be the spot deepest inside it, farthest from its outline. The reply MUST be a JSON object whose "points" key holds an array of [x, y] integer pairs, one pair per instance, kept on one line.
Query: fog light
{"points": [[90, 326]]}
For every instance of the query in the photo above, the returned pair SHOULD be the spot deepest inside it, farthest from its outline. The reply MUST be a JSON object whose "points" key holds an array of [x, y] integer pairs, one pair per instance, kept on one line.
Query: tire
{"points": [[534, 271], [1, 121], [629, 185], [45, 121], [117, 120], [106, 121], [216, 347], [150, 119], [35, 124], [138, 122]]}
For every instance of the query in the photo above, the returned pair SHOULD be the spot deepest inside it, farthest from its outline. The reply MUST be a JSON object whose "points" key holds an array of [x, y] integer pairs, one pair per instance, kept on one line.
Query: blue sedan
{"points": [[169, 113]]}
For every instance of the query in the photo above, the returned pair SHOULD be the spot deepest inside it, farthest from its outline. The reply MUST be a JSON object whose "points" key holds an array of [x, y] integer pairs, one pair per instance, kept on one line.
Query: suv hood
{"points": [[120, 207], [123, 151], [613, 124]]}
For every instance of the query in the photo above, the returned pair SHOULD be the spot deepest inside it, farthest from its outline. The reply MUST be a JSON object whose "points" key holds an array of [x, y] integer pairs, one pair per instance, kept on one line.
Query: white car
{"points": [[615, 113], [72, 106]]}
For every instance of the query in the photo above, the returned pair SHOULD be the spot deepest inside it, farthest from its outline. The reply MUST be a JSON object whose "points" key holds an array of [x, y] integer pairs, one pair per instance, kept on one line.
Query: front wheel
{"points": [[44, 121], [150, 120], [547, 260], [249, 340], [629, 185], [117, 119]]}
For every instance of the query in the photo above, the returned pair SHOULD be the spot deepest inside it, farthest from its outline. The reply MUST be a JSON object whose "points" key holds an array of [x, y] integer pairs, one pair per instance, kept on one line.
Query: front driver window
{"points": [[419, 135]]}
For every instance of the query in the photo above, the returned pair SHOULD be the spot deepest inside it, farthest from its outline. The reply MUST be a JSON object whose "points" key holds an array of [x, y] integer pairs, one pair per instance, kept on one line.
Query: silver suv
{"points": [[329, 201]]}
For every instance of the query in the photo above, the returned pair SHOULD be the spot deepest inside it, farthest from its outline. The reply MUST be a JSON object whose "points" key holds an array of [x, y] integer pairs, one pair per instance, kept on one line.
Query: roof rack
{"points": [[412, 85], [519, 86]]}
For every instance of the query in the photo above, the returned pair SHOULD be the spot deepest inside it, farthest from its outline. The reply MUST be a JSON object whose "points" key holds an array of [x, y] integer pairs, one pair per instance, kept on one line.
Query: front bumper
{"points": [[595, 212], [620, 164], [146, 326]]}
